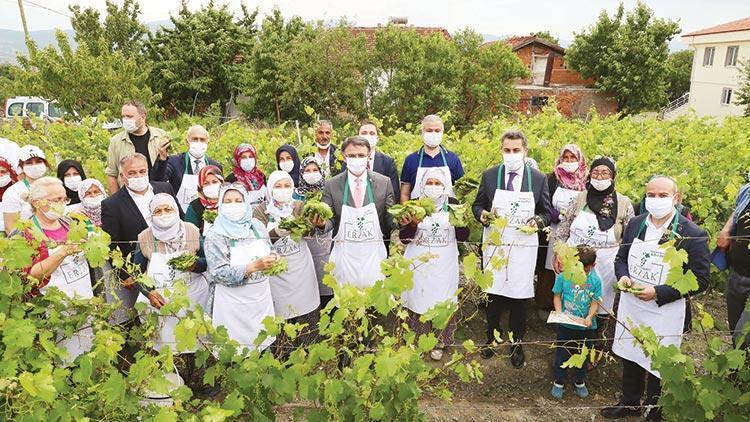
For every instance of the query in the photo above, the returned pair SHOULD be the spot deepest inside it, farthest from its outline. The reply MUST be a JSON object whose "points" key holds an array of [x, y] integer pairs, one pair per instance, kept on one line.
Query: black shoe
{"points": [[621, 410], [486, 352], [517, 358]]}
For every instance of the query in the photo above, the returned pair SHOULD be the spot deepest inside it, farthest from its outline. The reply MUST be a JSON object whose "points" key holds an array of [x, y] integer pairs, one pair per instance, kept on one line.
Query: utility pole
{"points": [[23, 20]]}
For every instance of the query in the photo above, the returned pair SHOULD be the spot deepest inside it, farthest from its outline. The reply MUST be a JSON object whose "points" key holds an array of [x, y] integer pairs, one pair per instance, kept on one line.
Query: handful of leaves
{"points": [[183, 262], [458, 215], [314, 207], [416, 208], [209, 216], [278, 267], [489, 216], [296, 226], [636, 290], [527, 229], [465, 186]]}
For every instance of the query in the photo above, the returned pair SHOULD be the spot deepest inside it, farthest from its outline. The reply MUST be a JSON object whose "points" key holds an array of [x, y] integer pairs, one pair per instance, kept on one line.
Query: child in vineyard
{"points": [[581, 302]]}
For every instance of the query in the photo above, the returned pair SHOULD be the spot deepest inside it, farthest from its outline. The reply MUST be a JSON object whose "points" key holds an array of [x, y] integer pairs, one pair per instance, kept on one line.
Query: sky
{"points": [[497, 17]]}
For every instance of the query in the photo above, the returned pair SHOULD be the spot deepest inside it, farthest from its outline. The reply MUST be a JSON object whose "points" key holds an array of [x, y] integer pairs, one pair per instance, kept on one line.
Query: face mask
{"points": [[356, 166], [569, 167], [72, 182], [321, 146], [35, 171], [312, 178], [371, 139], [138, 184], [129, 125], [247, 164], [659, 207], [4, 180], [212, 191], [198, 149], [233, 211], [282, 195], [513, 162], [55, 211], [287, 166], [433, 191], [601, 185], [92, 202], [165, 221], [432, 139]]}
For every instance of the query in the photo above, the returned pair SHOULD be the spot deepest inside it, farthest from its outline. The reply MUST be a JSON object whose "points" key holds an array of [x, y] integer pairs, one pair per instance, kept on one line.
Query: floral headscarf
{"points": [[93, 212], [576, 180], [13, 176], [304, 188], [253, 179], [208, 203]]}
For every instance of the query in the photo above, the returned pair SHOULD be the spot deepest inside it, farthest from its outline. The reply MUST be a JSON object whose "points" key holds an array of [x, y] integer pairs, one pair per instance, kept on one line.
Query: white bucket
{"points": [[159, 399]]}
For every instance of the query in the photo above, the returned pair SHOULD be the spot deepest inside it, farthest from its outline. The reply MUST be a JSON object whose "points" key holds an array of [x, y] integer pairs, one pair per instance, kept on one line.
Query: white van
{"points": [[26, 106]]}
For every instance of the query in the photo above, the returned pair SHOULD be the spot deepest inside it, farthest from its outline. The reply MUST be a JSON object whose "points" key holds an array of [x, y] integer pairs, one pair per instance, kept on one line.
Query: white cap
{"points": [[30, 151]]}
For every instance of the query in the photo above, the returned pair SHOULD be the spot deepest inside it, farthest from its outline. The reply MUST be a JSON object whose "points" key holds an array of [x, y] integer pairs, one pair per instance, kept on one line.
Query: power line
{"points": [[31, 3]]}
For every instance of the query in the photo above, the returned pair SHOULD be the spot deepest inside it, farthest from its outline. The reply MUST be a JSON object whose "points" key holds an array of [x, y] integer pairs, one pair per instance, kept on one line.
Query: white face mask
{"points": [[282, 195], [129, 125], [72, 182], [312, 178], [371, 139], [4, 180], [54, 212], [513, 162], [432, 139], [247, 164], [569, 167], [287, 166], [659, 207], [212, 191], [234, 211], [138, 184], [92, 202], [356, 166], [433, 191], [601, 185], [198, 149], [165, 221], [35, 171], [321, 146]]}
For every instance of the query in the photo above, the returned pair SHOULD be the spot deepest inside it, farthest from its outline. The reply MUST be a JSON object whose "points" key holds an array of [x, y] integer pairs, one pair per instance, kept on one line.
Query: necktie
{"points": [[512, 175], [359, 193], [197, 166]]}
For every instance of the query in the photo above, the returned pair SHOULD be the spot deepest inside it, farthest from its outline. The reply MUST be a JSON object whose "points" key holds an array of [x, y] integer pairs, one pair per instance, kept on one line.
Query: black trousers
{"points": [[635, 380], [516, 320]]}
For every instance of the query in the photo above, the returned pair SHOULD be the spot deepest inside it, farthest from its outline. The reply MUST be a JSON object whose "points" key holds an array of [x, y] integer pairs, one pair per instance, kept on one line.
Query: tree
{"points": [[121, 30], [742, 96], [197, 62], [679, 65], [545, 35], [627, 55]]}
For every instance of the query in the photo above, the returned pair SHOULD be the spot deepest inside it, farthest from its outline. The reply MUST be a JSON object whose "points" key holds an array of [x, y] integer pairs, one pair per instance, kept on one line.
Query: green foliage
{"points": [[679, 67], [121, 30], [742, 96], [545, 35]]}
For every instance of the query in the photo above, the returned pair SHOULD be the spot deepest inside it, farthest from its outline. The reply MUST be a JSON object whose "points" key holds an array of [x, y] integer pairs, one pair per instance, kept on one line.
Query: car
{"points": [[28, 106]]}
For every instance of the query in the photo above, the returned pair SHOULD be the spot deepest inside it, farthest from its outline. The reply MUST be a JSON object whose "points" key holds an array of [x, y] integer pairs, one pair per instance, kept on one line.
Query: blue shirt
{"points": [[411, 164], [576, 300]]}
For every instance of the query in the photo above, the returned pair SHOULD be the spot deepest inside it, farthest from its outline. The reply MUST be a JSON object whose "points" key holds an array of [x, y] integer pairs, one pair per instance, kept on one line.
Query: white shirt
{"points": [[12, 202], [516, 181], [142, 201], [9, 150], [655, 233], [325, 167]]}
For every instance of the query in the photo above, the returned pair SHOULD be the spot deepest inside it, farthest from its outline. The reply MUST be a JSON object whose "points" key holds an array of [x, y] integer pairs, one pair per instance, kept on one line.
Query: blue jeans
{"points": [[569, 342]]}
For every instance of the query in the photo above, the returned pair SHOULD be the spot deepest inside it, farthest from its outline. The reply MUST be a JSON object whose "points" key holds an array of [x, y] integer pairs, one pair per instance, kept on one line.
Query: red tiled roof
{"points": [[734, 26], [518, 42]]}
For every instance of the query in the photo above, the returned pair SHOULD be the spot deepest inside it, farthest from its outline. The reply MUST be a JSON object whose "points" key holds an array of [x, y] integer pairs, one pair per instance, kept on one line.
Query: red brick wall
{"points": [[560, 75], [571, 103]]}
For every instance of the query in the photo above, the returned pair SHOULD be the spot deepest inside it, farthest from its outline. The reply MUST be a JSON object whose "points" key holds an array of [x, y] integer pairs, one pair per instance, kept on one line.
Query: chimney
{"points": [[398, 20]]}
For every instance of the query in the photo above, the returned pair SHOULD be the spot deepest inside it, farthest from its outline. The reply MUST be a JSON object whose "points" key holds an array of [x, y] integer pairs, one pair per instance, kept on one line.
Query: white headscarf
{"points": [[172, 233], [223, 226], [274, 208], [93, 212], [439, 174]]}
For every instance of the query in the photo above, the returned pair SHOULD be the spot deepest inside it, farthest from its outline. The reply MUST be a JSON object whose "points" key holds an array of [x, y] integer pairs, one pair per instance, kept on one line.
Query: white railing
{"points": [[676, 104]]}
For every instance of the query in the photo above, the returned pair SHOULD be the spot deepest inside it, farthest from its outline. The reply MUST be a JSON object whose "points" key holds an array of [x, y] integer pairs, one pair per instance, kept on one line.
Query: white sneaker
{"points": [[436, 354]]}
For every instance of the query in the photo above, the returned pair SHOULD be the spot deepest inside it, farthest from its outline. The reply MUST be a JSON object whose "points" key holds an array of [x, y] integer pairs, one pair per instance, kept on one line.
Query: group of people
{"points": [[157, 206]]}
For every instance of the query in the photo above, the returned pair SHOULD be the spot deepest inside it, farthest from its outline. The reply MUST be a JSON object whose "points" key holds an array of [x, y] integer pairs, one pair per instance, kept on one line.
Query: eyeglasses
{"points": [[601, 173], [232, 185], [59, 200]]}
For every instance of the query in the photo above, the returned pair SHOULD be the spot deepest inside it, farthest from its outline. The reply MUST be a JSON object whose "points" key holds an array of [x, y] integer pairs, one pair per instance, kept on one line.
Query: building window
{"points": [[539, 101], [708, 56], [726, 96], [731, 59]]}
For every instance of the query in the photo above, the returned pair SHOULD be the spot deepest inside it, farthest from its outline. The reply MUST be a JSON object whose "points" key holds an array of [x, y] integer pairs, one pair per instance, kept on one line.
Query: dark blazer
{"points": [[122, 220], [385, 165], [172, 169], [539, 186], [382, 190], [699, 257]]}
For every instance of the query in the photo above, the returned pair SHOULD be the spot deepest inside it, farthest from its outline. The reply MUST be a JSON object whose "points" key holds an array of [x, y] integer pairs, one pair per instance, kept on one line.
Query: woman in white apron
{"points": [[435, 281], [416, 192], [58, 264], [311, 181], [245, 171], [566, 181], [237, 251], [295, 293], [210, 179]]}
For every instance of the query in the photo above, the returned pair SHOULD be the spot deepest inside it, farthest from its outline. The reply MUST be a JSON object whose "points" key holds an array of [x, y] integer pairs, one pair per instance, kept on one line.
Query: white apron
{"points": [[585, 230], [320, 249], [164, 277], [416, 190], [72, 278], [516, 279], [437, 280], [188, 190], [242, 309], [358, 247], [257, 197], [647, 267], [295, 292], [561, 201]]}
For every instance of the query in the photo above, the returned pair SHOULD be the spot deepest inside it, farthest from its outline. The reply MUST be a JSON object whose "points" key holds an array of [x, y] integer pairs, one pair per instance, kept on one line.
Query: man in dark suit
{"points": [[520, 194], [379, 162], [659, 306], [181, 170]]}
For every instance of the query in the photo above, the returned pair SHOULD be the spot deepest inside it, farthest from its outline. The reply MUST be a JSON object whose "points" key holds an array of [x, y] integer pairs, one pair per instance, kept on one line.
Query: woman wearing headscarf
{"points": [[566, 182], [245, 170], [295, 292], [598, 218], [91, 193], [8, 177], [210, 179], [71, 173], [238, 252], [435, 281], [287, 160]]}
